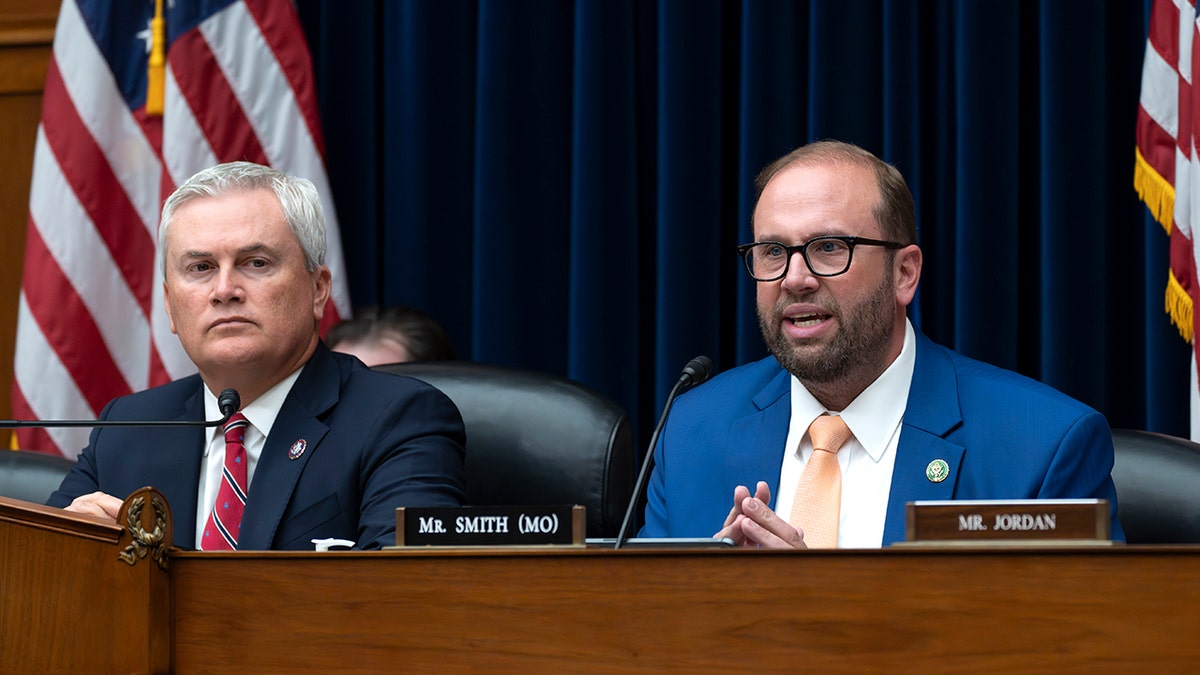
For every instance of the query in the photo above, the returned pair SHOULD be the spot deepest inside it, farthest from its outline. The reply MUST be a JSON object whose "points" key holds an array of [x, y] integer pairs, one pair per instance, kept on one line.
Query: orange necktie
{"points": [[818, 501]]}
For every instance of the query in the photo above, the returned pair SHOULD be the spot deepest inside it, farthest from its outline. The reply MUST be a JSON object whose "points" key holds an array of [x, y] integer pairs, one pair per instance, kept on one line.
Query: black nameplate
{"points": [[491, 526]]}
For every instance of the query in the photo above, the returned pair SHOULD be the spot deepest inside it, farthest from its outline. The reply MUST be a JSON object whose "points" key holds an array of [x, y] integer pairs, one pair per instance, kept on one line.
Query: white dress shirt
{"points": [[867, 459], [261, 416]]}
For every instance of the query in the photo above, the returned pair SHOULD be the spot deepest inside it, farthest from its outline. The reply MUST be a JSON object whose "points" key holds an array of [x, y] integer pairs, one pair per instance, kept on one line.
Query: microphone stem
{"points": [[41, 424], [228, 403], [647, 465]]}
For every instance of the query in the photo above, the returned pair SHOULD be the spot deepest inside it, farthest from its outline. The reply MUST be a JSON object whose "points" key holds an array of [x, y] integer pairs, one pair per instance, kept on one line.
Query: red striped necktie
{"points": [[225, 522]]}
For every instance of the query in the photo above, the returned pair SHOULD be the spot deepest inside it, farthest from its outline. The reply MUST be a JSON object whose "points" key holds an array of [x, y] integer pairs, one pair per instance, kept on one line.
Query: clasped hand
{"points": [[97, 504], [752, 524]]}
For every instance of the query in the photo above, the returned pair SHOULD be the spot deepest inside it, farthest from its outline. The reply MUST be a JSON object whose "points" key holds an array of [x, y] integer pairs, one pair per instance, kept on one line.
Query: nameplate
{"points": [[1021, 520], [491, 526]]}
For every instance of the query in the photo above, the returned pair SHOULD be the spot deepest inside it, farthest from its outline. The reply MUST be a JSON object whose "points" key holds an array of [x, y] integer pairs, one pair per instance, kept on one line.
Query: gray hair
{"points": [[298, 196]]}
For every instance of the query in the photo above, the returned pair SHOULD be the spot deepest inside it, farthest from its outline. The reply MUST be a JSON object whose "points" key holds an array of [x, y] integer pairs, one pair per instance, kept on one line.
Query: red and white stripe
{"points": [[91, 324], [1167, 174]]}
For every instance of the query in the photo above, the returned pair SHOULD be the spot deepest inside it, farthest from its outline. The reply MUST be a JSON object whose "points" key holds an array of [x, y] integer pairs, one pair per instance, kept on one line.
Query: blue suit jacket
{"points": [[1003, 435], [374, 441]]}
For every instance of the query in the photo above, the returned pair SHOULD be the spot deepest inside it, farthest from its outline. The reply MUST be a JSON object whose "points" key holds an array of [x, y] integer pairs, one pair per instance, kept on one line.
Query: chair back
{"points": [[1158, 487], [537, 439], [31, 476]]}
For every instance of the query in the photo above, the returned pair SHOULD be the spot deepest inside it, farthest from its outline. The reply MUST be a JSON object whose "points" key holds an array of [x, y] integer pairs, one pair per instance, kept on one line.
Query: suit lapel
{"points": [[932, 412], [277, 473], [180, 478], [767, 430], [916, 453]]}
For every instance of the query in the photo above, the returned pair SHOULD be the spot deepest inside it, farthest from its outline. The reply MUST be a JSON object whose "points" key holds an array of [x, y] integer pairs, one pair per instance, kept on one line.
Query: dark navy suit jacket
{"points": [[1004, 436], [373, 442]]}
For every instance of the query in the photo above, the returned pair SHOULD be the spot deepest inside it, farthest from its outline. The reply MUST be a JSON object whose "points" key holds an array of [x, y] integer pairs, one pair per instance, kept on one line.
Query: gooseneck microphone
{"points": [[228, 403], [695, 372]]}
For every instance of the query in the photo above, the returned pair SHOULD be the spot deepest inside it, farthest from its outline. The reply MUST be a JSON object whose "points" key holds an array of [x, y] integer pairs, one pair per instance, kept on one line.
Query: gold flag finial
{"points": [[158, 62]]}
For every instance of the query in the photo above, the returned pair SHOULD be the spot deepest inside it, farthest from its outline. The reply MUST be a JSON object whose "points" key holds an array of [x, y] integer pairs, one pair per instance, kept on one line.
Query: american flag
{"points": [[1167, 169], [237, 84]]}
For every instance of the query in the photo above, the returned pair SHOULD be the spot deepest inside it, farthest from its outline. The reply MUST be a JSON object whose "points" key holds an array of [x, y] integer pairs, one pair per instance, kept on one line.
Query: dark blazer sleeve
{"points": [[82, 479], [120, 460], [350, 446], [414, 457]]}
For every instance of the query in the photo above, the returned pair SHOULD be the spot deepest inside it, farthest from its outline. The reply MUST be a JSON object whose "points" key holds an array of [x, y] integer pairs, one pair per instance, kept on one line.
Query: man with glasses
{"points": [[894, 417]]}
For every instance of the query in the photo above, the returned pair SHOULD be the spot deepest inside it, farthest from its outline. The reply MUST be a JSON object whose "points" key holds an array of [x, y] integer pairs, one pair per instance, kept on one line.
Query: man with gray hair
{"points": [[322, 447]]}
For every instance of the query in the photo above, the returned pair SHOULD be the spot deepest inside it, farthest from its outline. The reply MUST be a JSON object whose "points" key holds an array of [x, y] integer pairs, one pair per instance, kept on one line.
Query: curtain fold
{"points": [[1066, 219], [604, 140], [562, 184], [688, 184]]}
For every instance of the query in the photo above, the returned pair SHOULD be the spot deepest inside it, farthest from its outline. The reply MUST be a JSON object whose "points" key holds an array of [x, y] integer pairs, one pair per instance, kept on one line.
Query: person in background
{"points": [[322, 447], [856, 412], [391, 335]]}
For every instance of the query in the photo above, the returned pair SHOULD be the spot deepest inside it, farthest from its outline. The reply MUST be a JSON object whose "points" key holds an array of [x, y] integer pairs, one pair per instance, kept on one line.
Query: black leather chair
{"points": [[31, 476], [537, 439], [1158, 487]]}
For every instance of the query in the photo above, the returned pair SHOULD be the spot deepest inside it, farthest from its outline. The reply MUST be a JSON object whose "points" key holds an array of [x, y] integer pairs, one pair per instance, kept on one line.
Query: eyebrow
{"points": [[783, 239], [252, 248]]}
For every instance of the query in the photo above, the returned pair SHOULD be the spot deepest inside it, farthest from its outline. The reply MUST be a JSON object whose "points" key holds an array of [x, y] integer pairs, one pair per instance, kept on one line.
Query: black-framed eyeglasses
{"points": [[826, 256]]}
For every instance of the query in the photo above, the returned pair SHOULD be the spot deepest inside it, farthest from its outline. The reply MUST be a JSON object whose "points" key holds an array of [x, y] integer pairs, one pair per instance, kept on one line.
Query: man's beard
{"points": [[861, 339]]}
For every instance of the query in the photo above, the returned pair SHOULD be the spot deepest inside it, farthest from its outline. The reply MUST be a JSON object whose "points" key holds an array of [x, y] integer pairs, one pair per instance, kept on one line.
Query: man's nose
{"points": [[798, 276], [228, 286]]}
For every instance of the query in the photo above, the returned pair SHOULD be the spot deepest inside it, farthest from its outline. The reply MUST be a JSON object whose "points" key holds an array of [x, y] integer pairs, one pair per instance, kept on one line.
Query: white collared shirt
{"points": [[260, 414], [867, 459]]}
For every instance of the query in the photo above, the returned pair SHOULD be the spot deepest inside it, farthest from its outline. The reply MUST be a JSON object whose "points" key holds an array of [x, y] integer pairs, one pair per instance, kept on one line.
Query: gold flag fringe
{"points": [[1159, 196], [1155, 191], [1179, 306]]}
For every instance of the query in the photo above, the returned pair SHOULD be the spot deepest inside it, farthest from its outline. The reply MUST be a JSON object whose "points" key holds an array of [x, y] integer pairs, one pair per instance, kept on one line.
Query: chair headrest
{"points": [[537, 438], [31, 476], [1158, 487]]}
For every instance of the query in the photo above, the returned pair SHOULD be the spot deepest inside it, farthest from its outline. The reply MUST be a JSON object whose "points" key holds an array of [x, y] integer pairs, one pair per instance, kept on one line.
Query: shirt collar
{"points": [[261, 413], [875, 413]]}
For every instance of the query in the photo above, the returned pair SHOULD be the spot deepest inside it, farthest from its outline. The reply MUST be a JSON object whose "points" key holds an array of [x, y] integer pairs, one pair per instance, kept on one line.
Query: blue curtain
{"points": [[562, 184]]}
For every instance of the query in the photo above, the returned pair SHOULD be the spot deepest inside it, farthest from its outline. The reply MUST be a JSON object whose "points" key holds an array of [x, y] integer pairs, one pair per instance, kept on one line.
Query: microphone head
{"points": [[697, 370], [228, 402]]}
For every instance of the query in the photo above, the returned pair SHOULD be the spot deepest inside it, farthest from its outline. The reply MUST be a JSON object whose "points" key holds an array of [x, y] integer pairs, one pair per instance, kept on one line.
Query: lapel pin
{"points": [[298, 447], [937, 471]]}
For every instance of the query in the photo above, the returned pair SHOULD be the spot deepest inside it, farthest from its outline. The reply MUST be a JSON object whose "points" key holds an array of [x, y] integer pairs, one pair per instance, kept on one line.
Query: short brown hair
{"points": [[895, 213], [420, 334]]}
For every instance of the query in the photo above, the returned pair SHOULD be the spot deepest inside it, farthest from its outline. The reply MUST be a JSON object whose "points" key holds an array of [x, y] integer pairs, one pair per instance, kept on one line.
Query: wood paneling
{"points": [[954, 610], [26, 36], [27, 22], [75, 596]]}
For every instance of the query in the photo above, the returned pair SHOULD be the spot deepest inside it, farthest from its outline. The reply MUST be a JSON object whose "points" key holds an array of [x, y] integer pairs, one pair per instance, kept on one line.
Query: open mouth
{"points": [[807, 320]]}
